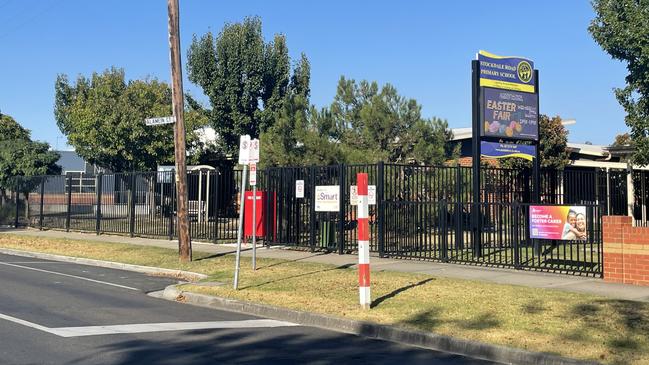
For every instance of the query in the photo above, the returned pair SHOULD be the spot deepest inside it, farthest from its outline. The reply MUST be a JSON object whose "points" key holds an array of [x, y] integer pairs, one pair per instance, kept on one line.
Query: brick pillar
{"points": [[626, 251]]}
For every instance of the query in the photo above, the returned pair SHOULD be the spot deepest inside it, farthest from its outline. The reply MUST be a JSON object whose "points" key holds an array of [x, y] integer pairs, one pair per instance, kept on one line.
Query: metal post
{"points": [[42, 204], [476, 212], [380, 207], [443, 215], [537, 159], [131, 206], [240, 230], [341, 209], [98, 190], [17, 202], [217, 173], [67, 218], [172, 207], [312, 214], [516, 228], [254, 227]]}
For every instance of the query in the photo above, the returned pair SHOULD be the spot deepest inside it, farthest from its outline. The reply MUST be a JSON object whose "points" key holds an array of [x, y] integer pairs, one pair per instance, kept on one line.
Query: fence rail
{"points": [[421, 212]]}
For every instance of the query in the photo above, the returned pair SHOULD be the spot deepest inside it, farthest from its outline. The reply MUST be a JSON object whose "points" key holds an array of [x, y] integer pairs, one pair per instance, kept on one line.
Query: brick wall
{"points": [[626, 251]]}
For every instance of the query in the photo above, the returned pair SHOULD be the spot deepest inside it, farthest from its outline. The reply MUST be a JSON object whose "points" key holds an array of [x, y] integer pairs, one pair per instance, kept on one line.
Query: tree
{"points": [[246, 80], [623, 139], [103, 118], [621, 28], [373, 125], [553, 143], [20, 156]]}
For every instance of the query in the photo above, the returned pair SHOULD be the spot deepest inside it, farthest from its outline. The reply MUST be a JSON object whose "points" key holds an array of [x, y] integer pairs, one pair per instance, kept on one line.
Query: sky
{"points": [[423, 48]]}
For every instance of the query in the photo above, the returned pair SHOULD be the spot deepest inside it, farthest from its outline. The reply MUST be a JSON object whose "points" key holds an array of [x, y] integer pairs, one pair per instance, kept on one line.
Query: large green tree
{"points": [[621, 28], [246, 79], [373, 124], [103, 118], [20, 156]]}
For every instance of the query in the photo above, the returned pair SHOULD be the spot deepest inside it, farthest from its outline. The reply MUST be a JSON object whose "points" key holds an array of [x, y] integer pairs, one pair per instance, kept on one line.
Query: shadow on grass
{"points": [[221, 254], [395, 292], [341, 267], [624, 332], [294, 260]]}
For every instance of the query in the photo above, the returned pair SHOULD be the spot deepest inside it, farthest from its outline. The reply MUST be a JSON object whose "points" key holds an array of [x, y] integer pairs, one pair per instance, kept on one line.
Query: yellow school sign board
{"points": [[504, 72]]}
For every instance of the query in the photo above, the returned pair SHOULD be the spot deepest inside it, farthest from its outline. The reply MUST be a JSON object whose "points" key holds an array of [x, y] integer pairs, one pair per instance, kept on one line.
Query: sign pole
{"points": [[253, 166], [244, 157], [184, 240], [240, 230], [476, 212]]}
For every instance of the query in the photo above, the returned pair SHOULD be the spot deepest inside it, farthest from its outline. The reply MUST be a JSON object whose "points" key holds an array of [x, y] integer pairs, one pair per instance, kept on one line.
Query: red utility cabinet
{"points": [[261, 214]]}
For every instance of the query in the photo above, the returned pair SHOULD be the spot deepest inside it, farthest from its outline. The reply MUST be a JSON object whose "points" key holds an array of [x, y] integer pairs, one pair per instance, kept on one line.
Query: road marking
{"points": [[148, 327], [35, 262], [70, 276]]}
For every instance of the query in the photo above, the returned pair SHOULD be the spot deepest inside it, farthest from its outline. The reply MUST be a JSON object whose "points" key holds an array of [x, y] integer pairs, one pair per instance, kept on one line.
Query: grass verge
{"points": [[568, 324]]}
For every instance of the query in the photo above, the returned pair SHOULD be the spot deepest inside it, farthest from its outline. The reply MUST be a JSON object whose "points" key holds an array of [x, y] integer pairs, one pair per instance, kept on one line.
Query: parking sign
{"points": [[244, 149]]}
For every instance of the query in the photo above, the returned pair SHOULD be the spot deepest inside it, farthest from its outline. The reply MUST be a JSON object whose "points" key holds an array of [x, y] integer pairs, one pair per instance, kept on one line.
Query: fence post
{"points": [[459, 217], [42, 204], [98, 192], [16, 188], [443, 215], [517, 241], [69, 210], [131, 206], [215, 211], [341, 209], [172, 205], [380, 196], [312, 225]]}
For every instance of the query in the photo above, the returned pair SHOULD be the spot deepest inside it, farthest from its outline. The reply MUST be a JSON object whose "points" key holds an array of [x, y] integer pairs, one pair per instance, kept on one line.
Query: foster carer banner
{"points": [[558, 222]]}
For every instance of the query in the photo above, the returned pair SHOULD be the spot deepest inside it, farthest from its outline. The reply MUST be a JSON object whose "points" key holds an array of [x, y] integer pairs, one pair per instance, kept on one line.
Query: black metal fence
{"points": [[421, 212]]}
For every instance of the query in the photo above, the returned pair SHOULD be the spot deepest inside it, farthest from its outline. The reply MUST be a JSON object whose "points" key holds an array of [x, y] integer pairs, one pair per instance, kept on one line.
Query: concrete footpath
{"points": [[570, 283]]}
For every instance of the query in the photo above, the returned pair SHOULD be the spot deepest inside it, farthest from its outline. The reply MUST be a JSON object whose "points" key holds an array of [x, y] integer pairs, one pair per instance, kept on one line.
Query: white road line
{"points": [[148, 327], [36, 262], [165, 327], [25, 323], [70, 276]]}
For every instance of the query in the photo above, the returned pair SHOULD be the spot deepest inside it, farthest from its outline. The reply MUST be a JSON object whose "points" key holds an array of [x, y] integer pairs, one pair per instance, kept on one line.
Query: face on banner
{"points": [[558, 222]]}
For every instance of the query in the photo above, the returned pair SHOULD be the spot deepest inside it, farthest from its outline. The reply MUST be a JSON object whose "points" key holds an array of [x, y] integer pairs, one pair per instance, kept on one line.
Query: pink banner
{"points": [[558, 222]]}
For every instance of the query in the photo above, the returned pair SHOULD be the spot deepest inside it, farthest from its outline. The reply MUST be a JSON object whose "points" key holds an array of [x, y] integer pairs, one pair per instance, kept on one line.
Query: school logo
{"points": [[524, 71]]}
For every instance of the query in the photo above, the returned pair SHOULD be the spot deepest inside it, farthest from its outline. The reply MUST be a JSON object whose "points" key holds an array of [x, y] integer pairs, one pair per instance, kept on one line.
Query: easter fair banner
{"points": [[558, 222], [509, 114]]}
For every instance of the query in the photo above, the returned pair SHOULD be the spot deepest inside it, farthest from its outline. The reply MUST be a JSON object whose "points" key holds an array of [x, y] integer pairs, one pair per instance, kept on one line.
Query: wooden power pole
{"points": [[184, 242]]}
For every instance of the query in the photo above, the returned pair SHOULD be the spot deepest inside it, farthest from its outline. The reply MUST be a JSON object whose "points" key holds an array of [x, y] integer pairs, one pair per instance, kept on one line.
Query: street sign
{"points": [[159, 121], [254, 151], [253, 174], [244, 149], [299, 188]]}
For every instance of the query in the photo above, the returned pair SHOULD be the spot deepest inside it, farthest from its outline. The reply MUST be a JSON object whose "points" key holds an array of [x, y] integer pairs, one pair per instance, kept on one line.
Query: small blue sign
{"points": [[503, 150]]}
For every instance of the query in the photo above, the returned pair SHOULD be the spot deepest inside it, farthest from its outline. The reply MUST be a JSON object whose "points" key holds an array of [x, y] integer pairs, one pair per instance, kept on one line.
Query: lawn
{"points": [[567, 324]]}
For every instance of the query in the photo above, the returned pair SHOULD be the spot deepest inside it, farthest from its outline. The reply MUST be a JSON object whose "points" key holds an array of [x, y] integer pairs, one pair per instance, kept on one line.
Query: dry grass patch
{"points": [[568, 324]]}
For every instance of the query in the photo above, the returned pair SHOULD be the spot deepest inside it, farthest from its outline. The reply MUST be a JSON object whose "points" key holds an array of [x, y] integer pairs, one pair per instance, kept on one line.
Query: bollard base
{"points": [[365, 306]]}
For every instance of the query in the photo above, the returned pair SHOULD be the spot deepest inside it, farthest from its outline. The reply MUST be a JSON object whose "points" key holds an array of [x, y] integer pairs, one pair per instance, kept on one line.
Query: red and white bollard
{"points": [[362, 215]]}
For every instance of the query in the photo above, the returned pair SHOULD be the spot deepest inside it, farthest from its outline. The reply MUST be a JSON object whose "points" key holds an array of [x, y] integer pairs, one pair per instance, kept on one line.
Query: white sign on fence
{"points": [[327, 198], [158, 121], [299, 188], [244, 149], [253, 174], [254, 151], [371, 195]]}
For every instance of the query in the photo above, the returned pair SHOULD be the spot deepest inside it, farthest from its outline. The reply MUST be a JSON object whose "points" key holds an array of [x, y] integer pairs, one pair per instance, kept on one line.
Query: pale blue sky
{"points": [[424, 48]]}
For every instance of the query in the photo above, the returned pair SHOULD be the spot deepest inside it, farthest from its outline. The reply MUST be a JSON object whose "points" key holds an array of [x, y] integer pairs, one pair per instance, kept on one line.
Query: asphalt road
{"points": [[62, 313]]}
